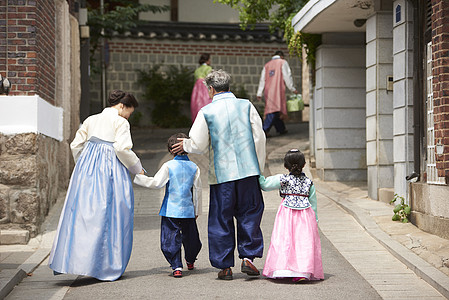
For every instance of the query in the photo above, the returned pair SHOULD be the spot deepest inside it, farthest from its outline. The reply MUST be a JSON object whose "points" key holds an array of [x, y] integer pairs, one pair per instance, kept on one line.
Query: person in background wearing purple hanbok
{"points": [[200, 94], [95, 232]]}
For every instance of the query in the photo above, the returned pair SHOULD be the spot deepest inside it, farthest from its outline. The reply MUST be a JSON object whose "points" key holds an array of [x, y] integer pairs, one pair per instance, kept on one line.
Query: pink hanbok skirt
{"points": [[295, 248], [200, 97]]}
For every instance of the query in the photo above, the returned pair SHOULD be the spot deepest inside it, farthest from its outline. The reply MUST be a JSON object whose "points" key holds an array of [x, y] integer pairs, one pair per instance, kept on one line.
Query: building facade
{"points": [[39, 54], [380, 100]]}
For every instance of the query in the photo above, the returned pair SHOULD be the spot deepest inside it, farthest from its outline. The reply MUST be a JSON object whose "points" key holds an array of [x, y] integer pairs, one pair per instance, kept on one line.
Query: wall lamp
{"points": [[5, 85], [359, 22]]}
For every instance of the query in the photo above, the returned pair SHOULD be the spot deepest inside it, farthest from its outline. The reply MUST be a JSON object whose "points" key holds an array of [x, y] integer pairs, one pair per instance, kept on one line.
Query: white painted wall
{"points": [[340, 108], [379, 103], [201, 11], [23, 114]]}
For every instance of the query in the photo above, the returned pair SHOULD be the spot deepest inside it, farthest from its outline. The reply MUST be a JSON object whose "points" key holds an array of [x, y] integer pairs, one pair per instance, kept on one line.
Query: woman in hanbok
{"points": [[295, 247], [95, 232], [200, 94]]}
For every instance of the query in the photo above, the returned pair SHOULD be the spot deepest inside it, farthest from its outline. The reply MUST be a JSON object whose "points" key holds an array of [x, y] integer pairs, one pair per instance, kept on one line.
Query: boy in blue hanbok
{"points": [[180, 207]]}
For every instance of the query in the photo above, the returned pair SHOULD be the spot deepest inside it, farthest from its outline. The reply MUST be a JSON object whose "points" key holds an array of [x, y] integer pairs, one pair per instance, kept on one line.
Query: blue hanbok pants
{"points": [[176, 232], [243, 200], [274, 119]]}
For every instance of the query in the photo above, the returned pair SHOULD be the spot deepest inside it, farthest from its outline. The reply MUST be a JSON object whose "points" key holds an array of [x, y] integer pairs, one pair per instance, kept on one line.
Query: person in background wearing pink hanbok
{"points": [[295, 248], [271, 85], [200, 94]]}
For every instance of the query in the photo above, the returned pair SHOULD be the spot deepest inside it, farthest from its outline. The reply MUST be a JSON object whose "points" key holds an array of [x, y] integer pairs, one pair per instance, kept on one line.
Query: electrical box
{"points": [[389, 83]]}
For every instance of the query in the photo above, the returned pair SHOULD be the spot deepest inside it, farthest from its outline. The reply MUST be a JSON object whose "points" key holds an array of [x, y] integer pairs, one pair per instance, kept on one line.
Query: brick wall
{"points": [[35, 166], [244, 61], [440, 72], [27, 46]]}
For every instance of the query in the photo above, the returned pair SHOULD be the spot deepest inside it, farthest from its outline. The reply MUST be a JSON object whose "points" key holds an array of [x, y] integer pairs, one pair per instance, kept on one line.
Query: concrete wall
{"points": [[379, 103], [339, 105], [402, 95]]}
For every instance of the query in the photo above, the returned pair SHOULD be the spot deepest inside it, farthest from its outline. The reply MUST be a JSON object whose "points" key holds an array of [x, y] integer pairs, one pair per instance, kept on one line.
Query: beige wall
{"points": [[203, 11]]}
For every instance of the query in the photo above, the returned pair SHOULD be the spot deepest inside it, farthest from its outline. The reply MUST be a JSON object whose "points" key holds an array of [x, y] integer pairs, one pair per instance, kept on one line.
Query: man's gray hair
{"points": [[219, 80]]}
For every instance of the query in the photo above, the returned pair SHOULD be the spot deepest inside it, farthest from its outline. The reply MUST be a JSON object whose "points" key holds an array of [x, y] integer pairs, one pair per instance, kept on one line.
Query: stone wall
{"points": [[244, 61], [40, 116], [429, 208], [28, 173], [339, 108]]}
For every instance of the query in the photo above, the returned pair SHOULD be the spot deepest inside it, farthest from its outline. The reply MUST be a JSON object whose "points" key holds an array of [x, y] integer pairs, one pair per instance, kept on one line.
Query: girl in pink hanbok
{"points": [[295, 248], [200, 94]]}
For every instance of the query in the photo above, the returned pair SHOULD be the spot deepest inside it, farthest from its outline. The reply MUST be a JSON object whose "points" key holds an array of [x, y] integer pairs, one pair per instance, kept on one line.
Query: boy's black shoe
{"points": [[249, 268], [225, 274]]}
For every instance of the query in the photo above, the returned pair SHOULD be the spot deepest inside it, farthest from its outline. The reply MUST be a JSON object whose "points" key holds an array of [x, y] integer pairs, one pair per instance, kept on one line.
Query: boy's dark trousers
{"points": [[176, 232]]}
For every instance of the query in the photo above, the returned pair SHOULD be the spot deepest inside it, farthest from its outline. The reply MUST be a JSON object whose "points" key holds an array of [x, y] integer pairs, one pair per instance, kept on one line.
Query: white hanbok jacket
{"points": [[110, 127]]}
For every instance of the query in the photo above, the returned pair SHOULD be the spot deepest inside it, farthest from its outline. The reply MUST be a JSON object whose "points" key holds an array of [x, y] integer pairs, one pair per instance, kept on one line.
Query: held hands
{"points": [[178, 147], [142, 172]]}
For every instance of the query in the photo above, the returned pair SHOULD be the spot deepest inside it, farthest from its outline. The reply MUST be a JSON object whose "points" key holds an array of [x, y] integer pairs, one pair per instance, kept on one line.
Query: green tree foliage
{"points": [[279, 13], [169, 91], [123, 17]]}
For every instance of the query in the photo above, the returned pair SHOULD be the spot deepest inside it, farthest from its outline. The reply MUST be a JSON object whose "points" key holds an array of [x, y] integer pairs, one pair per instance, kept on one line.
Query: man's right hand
{"points": [[178, 147]]}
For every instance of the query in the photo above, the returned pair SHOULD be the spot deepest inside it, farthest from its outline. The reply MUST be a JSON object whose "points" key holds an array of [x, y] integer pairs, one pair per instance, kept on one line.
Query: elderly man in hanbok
{"points": [[271, 85], [232, 130]]}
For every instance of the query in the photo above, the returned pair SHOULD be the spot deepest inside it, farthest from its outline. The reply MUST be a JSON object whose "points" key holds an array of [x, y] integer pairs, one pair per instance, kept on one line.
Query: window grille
{"points": [[432, 172]]}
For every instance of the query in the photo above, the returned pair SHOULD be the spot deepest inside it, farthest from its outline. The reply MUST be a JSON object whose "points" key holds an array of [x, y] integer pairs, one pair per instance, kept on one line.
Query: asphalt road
{"points": [[148, 275]]}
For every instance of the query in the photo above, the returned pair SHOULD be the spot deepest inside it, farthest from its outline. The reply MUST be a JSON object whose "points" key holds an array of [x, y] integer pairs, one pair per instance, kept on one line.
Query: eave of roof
{"points": [[319, 16], [203, 32]]}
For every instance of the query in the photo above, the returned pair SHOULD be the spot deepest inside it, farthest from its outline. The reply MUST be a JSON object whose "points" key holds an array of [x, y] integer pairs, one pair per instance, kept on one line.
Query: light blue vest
{"points": [[233, 153], [178, 200]]}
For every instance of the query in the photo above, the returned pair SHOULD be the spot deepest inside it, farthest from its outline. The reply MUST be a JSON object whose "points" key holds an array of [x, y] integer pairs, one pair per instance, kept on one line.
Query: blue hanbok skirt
{"points": [[95, 232]]}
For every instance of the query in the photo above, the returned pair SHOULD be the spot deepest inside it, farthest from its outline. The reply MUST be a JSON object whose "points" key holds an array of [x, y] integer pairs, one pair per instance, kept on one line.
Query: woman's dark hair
{"points": [[118, 96], [294, 161], [204, 57], [174, 139], [280, 53]]}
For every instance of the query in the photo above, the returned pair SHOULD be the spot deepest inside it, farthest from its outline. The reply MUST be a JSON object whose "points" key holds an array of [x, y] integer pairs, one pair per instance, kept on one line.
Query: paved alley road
{"points": [[348, 251]]}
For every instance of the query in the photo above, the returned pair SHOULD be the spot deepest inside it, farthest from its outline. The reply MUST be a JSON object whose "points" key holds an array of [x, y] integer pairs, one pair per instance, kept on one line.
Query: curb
{"points": [[419, 266], [14, 277]]}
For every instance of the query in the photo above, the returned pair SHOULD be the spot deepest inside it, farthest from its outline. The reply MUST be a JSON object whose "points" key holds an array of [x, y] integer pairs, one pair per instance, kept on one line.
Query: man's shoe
{"points": [[190, 266], [249, 268], [177, 273], [225, 274]]}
